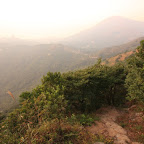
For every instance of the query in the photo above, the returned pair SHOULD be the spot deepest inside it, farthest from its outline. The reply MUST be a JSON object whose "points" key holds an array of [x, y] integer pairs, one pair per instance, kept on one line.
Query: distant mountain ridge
{"points": [[119, 49], [110, 32], [9, 41]]}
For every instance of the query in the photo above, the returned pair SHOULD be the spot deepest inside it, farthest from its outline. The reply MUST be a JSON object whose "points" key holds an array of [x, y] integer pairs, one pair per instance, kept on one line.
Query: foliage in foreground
{"points": [[42, 119], [46, 115]]}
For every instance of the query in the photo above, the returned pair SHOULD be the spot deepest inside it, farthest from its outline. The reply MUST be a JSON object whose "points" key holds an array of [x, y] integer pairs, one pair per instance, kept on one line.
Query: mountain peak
{"points": [[112, 31], [115, 19]]}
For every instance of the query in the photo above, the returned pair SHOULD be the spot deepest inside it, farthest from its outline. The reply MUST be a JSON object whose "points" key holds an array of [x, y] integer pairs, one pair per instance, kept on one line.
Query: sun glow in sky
{"points": [[61, 18]]}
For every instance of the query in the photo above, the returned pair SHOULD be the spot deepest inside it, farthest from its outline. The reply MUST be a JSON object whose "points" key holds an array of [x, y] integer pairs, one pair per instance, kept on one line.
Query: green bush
{"points": [[135, 78]]}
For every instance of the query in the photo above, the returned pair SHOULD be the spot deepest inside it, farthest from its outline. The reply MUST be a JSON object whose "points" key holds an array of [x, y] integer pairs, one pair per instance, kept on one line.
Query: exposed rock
{"points": [[136, 143], [108, 127], [140, 114], [122, 139]]}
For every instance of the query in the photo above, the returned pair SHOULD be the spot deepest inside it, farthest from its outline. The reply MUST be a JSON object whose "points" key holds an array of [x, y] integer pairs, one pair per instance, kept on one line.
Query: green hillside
{"points": [[59, 109], [109, 52], [119, 49]]}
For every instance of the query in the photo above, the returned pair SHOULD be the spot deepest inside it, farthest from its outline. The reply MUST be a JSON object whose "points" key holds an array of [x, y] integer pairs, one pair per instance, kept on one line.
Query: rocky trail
{"points": [[108, 127]]}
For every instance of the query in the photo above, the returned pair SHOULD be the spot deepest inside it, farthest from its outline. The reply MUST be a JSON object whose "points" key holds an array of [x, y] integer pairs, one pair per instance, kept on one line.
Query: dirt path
{"points": [[108, 127]]}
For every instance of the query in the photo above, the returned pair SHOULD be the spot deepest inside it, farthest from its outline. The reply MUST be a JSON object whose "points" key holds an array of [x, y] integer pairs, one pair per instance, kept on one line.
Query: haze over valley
{"points": [[24, 62]]}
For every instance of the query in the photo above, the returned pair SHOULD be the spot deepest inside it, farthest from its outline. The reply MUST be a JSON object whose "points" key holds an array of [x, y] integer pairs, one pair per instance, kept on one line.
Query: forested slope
{"points": [[22, 66], [49, 113]]}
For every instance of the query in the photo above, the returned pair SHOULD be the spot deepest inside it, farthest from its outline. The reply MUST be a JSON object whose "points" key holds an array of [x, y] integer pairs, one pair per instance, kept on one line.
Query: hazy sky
{"points": [[60, 18]]}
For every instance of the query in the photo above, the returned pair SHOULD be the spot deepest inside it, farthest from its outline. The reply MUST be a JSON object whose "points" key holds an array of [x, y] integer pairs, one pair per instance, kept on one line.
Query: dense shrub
{"points": [[135, 77]]}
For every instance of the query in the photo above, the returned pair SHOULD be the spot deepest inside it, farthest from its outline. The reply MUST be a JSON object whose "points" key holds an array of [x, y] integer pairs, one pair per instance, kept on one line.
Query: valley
{"points": [[22, 66]]}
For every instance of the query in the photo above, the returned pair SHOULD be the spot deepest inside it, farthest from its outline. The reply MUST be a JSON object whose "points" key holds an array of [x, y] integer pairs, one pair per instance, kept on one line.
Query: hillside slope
{"points": [[22, 66], [119, 49], [64, 106], [118, 58]]}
